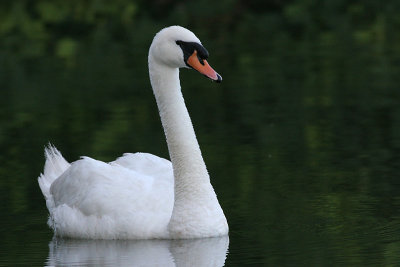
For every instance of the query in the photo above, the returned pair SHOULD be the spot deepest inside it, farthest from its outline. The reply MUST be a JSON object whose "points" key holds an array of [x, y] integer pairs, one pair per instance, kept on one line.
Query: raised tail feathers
{"points": [[54, 166]]}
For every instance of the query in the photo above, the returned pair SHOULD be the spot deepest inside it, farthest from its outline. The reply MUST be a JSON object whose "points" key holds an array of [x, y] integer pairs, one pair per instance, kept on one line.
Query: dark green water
{"points": [[301, 139]]}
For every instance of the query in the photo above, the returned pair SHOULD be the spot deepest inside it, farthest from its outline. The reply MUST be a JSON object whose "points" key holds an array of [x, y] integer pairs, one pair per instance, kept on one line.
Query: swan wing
{"points": [[147, 164], [121, 199]]}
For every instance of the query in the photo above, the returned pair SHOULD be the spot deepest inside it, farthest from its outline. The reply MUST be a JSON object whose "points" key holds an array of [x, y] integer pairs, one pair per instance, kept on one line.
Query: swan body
{"points": [[142, 196]]}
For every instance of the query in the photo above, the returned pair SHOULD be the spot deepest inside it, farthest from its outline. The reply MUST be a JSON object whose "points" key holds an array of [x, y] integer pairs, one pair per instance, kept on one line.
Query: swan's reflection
{"points": [[193, 252]]}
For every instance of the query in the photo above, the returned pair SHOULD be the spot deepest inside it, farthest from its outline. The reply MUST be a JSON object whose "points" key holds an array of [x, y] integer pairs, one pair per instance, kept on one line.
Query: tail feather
{"points": [[54, 166]]}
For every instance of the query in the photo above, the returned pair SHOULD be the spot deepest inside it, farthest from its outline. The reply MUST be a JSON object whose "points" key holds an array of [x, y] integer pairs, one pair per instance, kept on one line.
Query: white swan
{"points": [[142, 196]]}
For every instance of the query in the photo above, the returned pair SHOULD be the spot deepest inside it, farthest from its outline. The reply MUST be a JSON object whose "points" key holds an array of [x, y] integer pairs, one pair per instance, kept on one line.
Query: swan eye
{"points": [[188, 49]]}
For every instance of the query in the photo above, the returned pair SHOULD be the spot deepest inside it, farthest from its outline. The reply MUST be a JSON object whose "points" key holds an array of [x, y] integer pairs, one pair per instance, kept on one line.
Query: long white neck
{"points": [[183, 147], [194, 196]]}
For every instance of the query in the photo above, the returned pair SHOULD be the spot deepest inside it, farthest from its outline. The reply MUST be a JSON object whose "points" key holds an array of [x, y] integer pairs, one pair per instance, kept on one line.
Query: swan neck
{"points": [[196, 211], [188, 164]]}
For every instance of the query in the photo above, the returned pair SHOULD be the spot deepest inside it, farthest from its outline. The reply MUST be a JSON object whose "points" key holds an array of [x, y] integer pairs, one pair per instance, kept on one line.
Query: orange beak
{"points": [[203, 67]]}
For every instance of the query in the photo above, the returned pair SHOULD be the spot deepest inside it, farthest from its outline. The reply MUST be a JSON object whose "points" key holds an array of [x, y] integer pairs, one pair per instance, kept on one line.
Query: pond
{"points": [[302, 143]]}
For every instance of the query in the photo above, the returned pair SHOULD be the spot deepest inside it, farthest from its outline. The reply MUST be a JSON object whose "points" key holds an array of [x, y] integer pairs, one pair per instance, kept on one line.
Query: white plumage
{"points": [[140, 196]]}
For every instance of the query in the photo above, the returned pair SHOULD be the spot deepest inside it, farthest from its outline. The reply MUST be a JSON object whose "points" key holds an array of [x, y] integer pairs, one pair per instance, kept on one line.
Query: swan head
{"points": [[177, 47]]}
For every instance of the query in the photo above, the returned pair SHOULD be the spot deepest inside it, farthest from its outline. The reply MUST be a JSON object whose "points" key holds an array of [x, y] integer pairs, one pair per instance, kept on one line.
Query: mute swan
{"points": [[142, 196]]}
